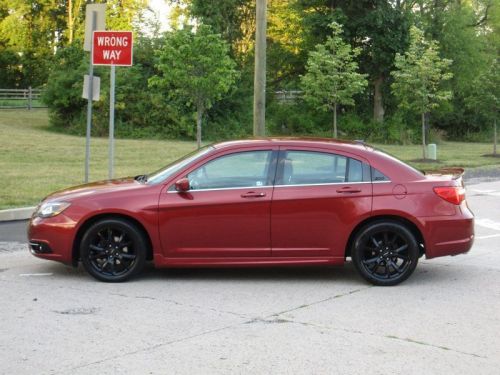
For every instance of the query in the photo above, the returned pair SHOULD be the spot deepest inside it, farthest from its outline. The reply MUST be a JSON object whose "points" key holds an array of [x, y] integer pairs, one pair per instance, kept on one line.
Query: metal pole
{"points": [[90, 98], [111, 122], [259, 93], [495, 136], [30, 93]]}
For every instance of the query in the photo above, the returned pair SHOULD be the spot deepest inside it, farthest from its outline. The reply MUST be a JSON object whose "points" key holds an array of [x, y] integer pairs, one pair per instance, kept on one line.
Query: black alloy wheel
{"points": [[113, 250], [385, 253]]}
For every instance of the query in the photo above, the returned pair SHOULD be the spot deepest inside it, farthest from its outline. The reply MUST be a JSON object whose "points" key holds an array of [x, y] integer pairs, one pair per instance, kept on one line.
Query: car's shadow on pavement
{"points": [[252, 274], [425, 274], [345, 273]]}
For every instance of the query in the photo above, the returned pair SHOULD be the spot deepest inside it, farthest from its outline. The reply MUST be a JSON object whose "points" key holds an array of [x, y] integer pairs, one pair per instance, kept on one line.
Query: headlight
{"points": [[50, 209]]}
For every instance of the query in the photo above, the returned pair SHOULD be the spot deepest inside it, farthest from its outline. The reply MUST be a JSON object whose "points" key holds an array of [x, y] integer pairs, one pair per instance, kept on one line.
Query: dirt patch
{"points": [[430, 161]]}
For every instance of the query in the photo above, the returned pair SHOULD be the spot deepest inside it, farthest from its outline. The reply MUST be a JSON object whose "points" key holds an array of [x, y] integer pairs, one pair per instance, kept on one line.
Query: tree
{"points": [[485, 97], [331, 74], [418, 77], [196, 68]]}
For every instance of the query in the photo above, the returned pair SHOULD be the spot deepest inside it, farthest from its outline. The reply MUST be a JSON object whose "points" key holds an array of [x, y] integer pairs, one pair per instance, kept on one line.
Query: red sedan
{"points": [[267, 202]]}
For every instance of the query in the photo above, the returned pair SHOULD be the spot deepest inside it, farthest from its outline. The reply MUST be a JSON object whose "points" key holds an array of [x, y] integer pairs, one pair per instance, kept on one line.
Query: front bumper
{"points": [[52, 238]]}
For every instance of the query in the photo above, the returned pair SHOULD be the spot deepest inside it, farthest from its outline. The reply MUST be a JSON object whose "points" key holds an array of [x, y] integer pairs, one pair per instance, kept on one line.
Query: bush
{"points": [[294, 119]]}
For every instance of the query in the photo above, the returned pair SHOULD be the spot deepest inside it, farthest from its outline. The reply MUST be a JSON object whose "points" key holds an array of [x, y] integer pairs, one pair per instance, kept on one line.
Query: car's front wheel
{"points": [[385, 253], [113, 250]]}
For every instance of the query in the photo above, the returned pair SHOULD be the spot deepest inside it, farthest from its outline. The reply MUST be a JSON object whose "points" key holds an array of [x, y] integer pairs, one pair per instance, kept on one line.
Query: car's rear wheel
{"points": [[385, 253], [113, 250]]}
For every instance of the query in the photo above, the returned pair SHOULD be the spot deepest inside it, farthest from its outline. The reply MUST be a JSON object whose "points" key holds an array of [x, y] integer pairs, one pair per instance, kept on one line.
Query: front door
{"points": [[226, 212]]}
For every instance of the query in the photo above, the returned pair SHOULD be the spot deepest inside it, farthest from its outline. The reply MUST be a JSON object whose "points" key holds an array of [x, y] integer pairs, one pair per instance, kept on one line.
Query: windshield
{"points": [[172, 168]]}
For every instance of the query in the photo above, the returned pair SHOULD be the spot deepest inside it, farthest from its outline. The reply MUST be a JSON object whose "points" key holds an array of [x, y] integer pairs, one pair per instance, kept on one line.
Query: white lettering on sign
{"points": [[111, 55], [112, 41], [112, 48]]}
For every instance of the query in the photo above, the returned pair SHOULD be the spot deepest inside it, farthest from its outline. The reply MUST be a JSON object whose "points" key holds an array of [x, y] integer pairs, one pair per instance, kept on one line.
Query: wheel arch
{"points": [[392, 218], [75, 252]]}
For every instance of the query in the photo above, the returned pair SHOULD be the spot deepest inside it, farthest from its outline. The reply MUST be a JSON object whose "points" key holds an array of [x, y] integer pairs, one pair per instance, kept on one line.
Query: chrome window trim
{"points": [[336, 183], [217, 189], [270, 186]]}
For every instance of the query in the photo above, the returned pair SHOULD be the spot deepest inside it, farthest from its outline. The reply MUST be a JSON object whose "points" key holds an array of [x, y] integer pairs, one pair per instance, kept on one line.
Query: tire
{"points": [[113, 250], [385, 253]]}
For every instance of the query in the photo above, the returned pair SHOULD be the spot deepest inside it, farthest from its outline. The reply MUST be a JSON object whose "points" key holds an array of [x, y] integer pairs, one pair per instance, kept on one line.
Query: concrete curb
{"points": [[16, 214]]}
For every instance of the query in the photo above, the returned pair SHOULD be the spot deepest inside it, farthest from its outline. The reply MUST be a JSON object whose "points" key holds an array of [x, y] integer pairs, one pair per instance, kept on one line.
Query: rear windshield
{"points": [[398, 161]]}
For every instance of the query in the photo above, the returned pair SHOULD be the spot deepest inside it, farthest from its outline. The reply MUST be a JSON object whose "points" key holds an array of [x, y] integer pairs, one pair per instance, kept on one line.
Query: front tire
{"points": [[385, 253], [113, 250]]}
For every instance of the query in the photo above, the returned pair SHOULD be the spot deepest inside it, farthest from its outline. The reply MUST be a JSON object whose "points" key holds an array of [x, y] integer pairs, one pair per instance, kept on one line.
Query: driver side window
{"points": [[242, 169]]}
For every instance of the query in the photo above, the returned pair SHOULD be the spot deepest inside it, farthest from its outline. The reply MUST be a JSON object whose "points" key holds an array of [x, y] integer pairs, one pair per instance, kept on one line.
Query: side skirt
{"points": [[161, 261]]}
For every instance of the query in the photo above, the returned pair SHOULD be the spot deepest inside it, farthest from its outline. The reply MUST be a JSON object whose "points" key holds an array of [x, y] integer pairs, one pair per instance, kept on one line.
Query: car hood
{"points": [[98, 187]]}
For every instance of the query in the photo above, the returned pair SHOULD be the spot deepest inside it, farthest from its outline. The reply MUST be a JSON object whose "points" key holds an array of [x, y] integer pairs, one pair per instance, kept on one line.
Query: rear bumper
{"points": [[448, 235]]}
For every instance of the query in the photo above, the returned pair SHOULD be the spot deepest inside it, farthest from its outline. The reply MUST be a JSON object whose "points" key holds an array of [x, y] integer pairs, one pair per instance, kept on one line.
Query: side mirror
{"points": [[182, 185]]}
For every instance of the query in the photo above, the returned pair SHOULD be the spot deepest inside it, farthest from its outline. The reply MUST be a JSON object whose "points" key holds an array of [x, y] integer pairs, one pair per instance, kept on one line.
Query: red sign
{"points": [[112, 48]]}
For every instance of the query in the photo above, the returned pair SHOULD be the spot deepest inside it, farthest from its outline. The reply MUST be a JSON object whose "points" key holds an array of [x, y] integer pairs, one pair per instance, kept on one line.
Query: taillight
{"points": [[452, 194]]}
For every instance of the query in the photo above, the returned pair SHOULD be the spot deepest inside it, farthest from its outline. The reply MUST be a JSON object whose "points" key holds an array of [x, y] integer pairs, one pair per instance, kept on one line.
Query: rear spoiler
{"points": [[454, 172]]}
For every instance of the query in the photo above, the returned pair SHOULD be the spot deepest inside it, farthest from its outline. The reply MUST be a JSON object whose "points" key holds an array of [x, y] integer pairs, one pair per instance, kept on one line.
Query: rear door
{"points": [[318, 198]]}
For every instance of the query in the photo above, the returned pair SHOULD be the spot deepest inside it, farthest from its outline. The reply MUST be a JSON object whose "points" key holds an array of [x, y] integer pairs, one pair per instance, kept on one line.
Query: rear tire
{"points": [[385, 253], [113, 250]]}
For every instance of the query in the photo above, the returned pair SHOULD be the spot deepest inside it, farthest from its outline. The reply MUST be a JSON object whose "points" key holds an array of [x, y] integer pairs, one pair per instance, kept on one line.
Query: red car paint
{"points": [[264, 225]]}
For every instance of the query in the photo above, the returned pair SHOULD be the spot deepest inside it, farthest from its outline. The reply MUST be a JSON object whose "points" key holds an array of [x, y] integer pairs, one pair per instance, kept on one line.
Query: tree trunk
{"points": [[378, 103], [259, 93], [70, 21], [495, 136], [424, 154], [199, 116], [335, 120]]}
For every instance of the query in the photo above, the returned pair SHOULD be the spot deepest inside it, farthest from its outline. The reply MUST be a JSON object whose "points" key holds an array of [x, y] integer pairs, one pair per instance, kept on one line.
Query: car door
{"points": [[226, 212], [318, 198]]}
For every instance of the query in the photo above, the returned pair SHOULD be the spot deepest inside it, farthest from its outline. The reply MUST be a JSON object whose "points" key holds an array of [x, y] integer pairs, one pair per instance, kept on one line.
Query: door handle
{"points": [[348, 190], [253, 194]]}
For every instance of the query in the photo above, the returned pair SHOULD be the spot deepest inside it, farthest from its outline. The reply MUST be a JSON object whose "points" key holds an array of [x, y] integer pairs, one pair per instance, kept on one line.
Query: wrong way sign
{"points": [[112, 48]]}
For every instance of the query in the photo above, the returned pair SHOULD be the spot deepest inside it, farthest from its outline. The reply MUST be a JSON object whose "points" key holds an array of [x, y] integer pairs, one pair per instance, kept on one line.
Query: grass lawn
{"points": [[35, 161]]}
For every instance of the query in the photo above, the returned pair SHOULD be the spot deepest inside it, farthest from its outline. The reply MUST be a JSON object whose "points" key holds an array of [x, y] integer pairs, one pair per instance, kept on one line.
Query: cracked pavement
{"points": [[444, 320]]}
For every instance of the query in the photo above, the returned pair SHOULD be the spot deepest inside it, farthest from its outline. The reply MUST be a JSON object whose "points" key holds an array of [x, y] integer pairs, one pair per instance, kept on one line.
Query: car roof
{"points": [[296, 141]]}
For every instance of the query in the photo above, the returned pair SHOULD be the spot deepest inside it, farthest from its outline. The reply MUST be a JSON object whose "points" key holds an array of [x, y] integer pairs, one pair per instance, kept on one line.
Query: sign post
{"points": [[94, 19], [111, 147], [89, 105], [112, 48]]}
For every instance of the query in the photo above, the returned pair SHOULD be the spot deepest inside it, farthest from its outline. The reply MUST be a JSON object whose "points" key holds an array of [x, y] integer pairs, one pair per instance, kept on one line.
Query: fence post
{"points": [[30, 97]]}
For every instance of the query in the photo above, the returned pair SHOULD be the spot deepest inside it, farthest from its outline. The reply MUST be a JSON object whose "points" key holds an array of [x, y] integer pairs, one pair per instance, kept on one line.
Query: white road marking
{"points": [[488, 223], [35, 274], [485, 237], [494, 193]]}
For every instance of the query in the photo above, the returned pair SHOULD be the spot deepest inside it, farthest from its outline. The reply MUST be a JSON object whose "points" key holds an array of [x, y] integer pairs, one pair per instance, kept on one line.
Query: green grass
{"points": [[20, 103], [35, 161], [449, 154]]}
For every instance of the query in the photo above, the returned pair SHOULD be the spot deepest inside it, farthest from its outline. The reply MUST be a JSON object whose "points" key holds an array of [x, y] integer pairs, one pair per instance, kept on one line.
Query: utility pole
{"points": [[259, 83]]}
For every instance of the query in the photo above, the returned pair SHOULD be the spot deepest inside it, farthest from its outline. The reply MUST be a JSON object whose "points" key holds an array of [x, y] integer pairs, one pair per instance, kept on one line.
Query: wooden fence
{"points": [[21, 98], [288, 96]]}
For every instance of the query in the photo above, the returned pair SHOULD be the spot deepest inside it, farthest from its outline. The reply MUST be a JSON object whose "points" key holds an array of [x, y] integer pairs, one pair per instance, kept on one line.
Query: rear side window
{"points": [[310, 167], [355, 173], [378, 176]]}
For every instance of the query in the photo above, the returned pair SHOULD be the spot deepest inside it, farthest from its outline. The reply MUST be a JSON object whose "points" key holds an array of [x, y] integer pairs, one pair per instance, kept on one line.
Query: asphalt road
{"points": [[13, 231], [444, 320]]}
